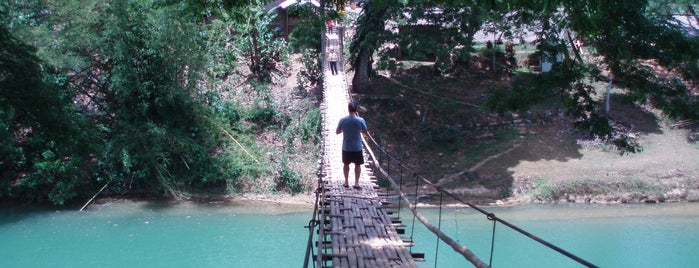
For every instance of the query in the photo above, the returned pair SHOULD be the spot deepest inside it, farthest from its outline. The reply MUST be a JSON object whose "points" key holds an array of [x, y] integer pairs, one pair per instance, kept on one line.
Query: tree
{"points": [[369, 36], [627, 36], [443, 29], [257, 41], [45, 144], [133, 69], [124, 94]]}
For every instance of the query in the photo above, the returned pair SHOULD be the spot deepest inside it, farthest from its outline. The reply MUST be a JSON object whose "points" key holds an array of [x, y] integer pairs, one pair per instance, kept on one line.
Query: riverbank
{"points": [[305, 202]]}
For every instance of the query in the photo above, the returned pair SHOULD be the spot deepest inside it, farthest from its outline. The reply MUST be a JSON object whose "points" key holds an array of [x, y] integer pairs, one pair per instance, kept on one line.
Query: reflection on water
{"points": [[156, 234]]}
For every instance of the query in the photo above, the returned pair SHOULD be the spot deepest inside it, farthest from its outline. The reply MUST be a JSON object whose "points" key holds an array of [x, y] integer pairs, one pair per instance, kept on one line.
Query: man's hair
{"points": [[352, 107]]}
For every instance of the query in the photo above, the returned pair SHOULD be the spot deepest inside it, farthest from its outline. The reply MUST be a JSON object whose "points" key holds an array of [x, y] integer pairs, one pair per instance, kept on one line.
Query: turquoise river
{"points": [[158, 234]]}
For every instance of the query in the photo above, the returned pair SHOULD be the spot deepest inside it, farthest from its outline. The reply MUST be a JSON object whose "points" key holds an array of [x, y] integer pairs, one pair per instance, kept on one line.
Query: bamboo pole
{"points": [[95, 196], [235, 140]]}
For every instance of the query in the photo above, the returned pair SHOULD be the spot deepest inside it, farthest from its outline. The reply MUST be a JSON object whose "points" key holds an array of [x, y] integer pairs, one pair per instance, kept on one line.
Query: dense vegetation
{"points": [[135, 96]]}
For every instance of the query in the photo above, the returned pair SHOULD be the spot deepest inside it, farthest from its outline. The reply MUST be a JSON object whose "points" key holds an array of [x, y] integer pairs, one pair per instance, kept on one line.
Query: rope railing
{"points": [[463, 250]]}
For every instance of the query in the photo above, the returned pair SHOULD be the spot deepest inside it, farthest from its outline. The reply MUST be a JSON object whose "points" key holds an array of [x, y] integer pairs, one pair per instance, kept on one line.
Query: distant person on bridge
{"points": [[352, 127], [332, 58]]}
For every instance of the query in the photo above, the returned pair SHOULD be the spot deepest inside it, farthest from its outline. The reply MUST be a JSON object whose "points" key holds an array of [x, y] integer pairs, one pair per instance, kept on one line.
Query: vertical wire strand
{"points": [[492, 241], [456, 225], [400, 191], [439, 226], [412, 228]]}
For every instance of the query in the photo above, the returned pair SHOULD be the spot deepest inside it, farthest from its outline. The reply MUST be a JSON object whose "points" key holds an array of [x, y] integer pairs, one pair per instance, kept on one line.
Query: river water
{"points": [[156, 234]]}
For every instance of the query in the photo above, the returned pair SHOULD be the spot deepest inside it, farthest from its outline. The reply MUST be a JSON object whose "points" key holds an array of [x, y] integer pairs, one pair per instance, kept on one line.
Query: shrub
{"points": [[545, 190], [287, 178], [311, 126]]}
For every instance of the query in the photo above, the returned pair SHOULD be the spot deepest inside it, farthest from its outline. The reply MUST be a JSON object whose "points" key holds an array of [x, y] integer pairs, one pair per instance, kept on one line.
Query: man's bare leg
{"points": [[345, 170], [357, 172]]}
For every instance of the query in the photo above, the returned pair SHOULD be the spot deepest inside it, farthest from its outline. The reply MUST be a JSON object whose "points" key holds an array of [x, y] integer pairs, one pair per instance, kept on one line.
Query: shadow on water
{"points": [[11, 213]]}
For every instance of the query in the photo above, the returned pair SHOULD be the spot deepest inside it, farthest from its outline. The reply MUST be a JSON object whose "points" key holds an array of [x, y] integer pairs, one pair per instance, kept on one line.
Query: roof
{"points": [[687, 23], [284, 4]]}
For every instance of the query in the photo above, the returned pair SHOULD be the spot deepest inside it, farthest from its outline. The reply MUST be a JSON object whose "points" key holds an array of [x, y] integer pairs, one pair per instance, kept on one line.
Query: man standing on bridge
{"points": [[352, 127], [332, 58]]}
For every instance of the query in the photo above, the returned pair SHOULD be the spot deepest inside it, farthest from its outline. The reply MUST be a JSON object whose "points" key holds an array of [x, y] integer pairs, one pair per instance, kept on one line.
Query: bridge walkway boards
{"points": [[356, 228], [359, 230]]}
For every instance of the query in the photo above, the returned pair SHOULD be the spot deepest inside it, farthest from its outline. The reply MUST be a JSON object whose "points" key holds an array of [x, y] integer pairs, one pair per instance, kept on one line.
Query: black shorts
{"points": [[352, 157]]}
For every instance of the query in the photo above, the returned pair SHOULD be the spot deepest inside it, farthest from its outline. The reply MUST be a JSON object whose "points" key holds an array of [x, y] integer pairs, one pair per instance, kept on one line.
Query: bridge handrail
{"points": [[463, 250]]}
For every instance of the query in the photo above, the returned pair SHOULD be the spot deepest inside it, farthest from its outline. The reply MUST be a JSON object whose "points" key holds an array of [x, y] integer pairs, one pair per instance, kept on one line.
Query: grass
{"points": [[603, 191]]}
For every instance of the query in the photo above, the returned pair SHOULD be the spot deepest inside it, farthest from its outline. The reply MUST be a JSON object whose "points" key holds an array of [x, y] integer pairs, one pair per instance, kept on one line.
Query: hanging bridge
{"points": [[362, 227]]}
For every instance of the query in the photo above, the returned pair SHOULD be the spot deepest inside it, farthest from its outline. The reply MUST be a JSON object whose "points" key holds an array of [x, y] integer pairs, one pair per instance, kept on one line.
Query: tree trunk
{"points": [[609, 94], [361, 82], [367, 39]]}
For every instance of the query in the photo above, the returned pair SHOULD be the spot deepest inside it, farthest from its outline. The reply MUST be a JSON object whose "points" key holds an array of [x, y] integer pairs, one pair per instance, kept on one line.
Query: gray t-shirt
{"points": [[352, 127]]}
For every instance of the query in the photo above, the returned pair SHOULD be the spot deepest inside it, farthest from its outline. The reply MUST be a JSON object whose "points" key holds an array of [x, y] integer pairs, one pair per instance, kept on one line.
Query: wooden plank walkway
{"points": [[356, 230]]}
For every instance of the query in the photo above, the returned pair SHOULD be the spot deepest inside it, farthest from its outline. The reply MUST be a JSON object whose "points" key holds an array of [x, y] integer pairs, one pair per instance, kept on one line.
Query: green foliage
{"points": [[448, 137], [222, 55], [445, 37], [311, 74], [311, 126], [669, 94], [45, 143], [525, 93], [128, 105], [264, 115], [628, 33], [545, 190], [56, 177], [262, 48], [160, 122], [287, 178], [226, 112], [306, 34]]}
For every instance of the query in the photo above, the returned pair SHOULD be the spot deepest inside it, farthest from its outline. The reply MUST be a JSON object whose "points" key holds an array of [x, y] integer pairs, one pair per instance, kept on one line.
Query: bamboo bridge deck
{"points": [[356, 229]]}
